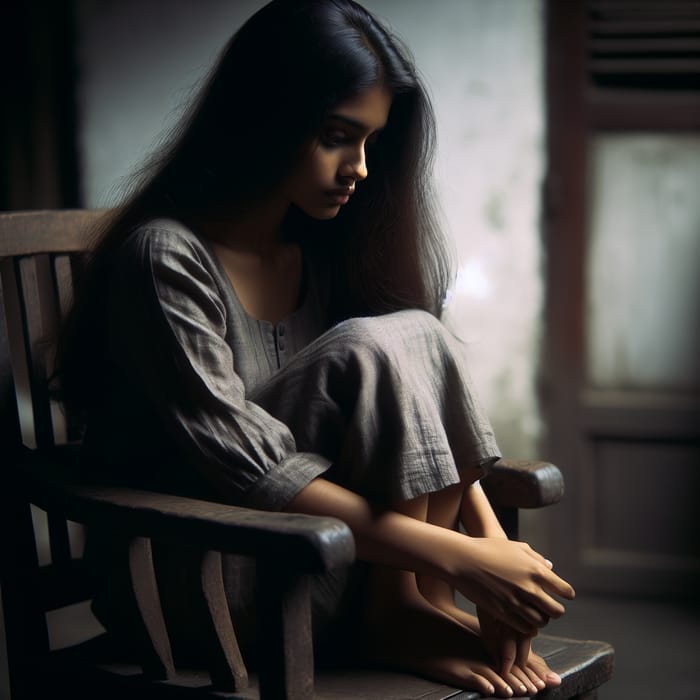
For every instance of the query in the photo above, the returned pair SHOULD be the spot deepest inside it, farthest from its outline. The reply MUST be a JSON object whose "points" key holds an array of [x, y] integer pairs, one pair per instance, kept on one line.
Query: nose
{"points": [[356, 165]]}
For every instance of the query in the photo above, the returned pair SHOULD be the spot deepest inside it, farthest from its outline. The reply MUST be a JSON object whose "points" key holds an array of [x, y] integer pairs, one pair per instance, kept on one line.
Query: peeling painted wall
{"points": [[483, 63]]}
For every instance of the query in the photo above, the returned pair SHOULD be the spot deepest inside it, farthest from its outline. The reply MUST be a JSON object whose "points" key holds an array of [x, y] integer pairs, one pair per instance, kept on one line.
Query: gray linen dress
{"points": [[202, 399]]}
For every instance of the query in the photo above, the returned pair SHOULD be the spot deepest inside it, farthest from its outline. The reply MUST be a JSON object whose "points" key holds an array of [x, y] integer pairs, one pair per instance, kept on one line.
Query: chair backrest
{"points": [[40, 254], [41, 566]]}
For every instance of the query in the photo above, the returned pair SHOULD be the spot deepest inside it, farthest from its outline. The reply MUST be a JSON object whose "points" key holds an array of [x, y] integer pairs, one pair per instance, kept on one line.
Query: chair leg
{"points": [[286, 668]]}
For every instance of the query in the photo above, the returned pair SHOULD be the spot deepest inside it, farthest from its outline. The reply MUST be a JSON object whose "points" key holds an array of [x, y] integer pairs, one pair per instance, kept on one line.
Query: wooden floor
{"points": [[657, 645]]}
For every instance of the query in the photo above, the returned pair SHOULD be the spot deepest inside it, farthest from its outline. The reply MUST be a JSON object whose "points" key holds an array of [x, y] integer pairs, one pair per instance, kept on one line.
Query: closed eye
{"points": [[372, 139], [335, 137]]}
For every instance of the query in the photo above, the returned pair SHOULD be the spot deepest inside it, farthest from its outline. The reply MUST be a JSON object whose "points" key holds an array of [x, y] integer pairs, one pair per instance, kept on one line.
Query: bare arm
{"points": [[507, 578]]}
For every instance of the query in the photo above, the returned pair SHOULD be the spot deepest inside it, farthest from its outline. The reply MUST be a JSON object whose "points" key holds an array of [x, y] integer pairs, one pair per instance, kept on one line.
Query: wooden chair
{"points": [[39, 252]]}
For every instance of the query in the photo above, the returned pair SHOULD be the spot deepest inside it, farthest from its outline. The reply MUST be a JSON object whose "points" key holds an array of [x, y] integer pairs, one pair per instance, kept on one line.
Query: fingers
{"points": [[518, 589], [514, 651], [538, 618], [536, 555], [507, 654], [546, 607], [503, 604], [522, 618], [537, 597], [528, 612], [544, 603], [522, 651], [555, 584]]}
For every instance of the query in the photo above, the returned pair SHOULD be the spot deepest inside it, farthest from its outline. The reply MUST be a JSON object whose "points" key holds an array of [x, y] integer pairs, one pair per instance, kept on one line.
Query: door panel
{"points": [[621, 367], [643, 281]]}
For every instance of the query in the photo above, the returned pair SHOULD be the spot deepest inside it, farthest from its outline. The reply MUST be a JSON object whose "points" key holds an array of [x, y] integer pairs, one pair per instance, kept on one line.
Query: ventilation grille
{"points": [[647, 45]]}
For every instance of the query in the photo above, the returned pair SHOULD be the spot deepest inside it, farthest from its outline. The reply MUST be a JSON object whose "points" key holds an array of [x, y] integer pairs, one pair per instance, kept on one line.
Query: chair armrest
{"points": [[286, 547], [305, 543], [517, 483]]}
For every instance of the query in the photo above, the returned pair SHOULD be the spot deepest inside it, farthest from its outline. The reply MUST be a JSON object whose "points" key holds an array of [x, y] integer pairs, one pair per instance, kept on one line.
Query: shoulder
{"points": [[165, 271], [161, 239], [160, 246], [163, 260]]}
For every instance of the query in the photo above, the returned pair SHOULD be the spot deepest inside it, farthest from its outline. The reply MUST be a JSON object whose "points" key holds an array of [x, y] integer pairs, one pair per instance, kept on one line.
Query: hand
{"points": [[510, 581]]}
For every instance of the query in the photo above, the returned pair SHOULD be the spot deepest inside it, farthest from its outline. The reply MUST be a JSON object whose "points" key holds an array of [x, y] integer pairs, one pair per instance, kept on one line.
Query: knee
{"points": [[365, 333], [380, 333]]}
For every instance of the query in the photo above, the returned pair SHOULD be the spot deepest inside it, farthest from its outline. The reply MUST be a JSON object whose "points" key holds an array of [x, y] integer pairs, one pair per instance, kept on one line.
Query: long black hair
{"points": [[275, 83]]}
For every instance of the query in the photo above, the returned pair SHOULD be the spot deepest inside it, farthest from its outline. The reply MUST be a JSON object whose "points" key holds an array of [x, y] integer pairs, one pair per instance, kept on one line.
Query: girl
{"points": [[259, 325]]}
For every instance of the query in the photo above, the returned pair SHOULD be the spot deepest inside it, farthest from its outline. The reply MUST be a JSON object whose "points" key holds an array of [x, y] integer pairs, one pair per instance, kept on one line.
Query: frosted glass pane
{"points": [[644, 262]]}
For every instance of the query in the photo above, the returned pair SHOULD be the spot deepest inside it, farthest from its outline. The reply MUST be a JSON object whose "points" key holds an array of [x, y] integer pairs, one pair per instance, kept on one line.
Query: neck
{"points": [[255, 230]]}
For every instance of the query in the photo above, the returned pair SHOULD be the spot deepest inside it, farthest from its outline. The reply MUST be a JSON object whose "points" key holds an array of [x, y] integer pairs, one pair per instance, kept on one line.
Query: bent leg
{"points": [[443, 509], [389, 401], [403, 630], [466, 505]]}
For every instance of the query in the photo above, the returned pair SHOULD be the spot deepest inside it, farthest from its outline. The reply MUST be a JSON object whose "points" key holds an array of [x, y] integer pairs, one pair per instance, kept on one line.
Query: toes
{"points": [[538, 665], [501, 687], [475, 681], [475, 676], [521, 682], [552, 680], [536, 681]]}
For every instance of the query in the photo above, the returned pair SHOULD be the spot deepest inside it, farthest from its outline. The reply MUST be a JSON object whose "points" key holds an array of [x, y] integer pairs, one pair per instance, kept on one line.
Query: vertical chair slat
{"points": [[59, 539], [41, 321], [61, 270], [157, 656], [63, 278], [19, 353], [226, 667]]}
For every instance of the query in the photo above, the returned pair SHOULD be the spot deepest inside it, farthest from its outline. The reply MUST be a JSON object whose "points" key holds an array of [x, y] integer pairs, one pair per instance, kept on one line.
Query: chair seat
{"points": [[582, 664]]}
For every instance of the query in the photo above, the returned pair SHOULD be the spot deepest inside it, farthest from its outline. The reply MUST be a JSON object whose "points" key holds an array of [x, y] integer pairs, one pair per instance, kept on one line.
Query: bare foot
{"points": [[537, 668], [417, 637], [522, 682], [528, 678]]}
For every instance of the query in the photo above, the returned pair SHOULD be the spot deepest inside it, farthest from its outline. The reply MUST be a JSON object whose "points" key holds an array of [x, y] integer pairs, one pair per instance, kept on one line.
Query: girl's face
{"points": [[325, 178]]}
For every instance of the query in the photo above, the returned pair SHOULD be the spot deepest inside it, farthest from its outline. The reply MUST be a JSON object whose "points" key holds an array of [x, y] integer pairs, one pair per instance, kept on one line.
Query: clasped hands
{"points": [[512, 587]]}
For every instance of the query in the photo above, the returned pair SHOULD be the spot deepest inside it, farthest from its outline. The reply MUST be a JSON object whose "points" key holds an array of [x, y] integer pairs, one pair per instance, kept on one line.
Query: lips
{"points": [[340, 196]]}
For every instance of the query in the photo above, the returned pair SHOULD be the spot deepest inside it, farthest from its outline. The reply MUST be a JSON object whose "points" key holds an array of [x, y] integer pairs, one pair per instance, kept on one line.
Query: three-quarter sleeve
{"points": [[166, 291]]}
